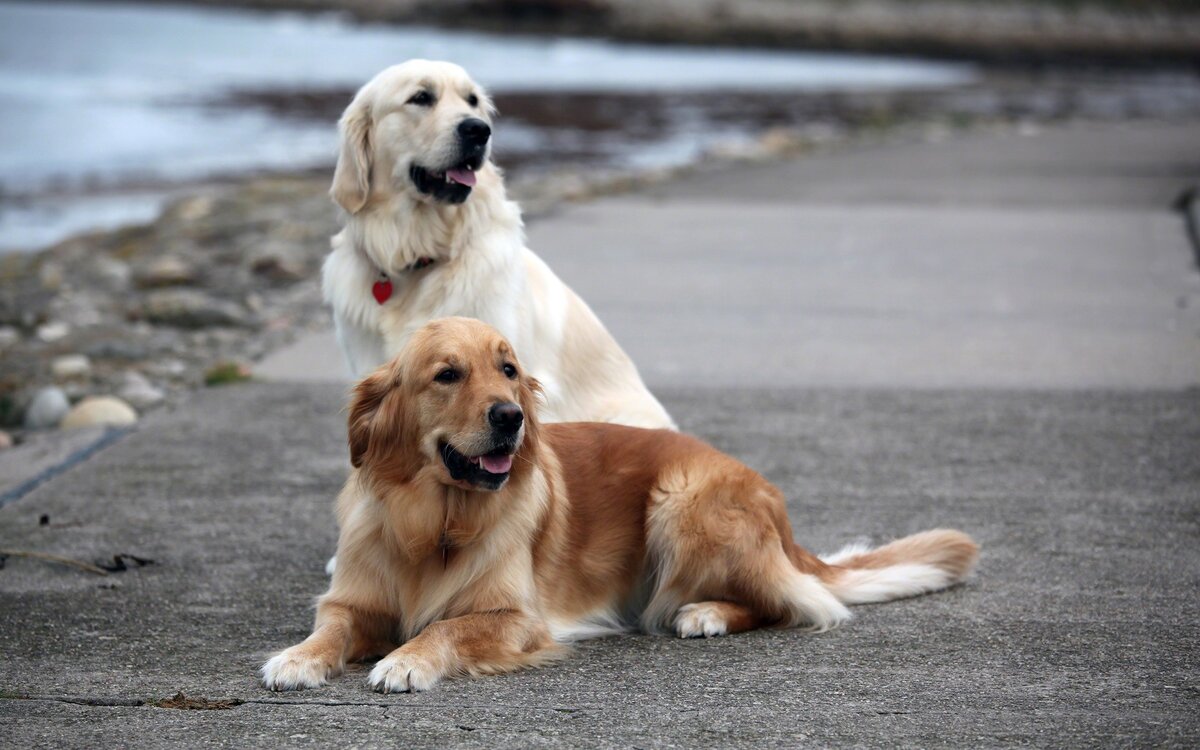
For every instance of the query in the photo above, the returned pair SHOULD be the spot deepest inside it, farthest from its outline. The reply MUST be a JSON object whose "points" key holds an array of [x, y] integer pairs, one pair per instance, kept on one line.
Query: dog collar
{"points": [[382, 289]]}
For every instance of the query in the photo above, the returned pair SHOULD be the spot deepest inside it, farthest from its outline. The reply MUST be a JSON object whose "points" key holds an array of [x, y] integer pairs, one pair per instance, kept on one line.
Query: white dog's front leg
{"points": [[346, 282], [363, 348]]}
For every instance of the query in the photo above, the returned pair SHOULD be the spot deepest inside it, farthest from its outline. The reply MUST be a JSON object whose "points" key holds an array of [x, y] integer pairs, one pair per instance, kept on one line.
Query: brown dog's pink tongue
{"points": [[461, 176], [496, 464]]}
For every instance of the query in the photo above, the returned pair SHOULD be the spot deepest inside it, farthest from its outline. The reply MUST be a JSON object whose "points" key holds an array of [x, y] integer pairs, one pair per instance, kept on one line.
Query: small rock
{"points": [[51, 276], [278, 266], [780, 141], [187, 308], [113, 273], [8, 336], [53, 331], [139, 391], [23, 302], [99, 410], [193, 208], [48, 407], [76, 389], [71, 366], [116, 348], [168, 368], [6, 440], [80, 309], [166, 271]]}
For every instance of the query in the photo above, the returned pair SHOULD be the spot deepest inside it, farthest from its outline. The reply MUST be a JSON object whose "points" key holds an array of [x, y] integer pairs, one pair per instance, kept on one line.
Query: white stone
{"points": [[99, 410], [70, 366], [51, 332], [114, 272], [51, 276], [167, 271], [48, 407], [6, 440], [139, 391], [169, 368], [8, 336]]}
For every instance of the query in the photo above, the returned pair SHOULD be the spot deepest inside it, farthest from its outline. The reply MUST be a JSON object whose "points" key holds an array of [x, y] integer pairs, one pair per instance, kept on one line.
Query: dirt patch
{"points": [[181, 702]]}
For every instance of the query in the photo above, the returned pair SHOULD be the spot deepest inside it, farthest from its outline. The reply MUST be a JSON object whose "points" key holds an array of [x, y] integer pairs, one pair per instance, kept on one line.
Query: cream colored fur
{"points": [[591, 528], [483, 269]]}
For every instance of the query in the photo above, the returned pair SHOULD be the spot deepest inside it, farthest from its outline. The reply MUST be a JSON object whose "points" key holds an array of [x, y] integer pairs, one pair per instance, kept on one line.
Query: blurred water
{"points": [[100, 102]]}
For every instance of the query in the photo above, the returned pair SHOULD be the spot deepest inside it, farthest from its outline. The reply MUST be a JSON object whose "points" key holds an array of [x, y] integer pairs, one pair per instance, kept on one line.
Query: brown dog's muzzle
{"points": [[506, 418]]}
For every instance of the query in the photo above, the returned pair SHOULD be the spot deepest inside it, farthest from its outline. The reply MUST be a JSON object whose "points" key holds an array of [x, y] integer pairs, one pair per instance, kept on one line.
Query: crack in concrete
{"points": [[231, 703], [110, 437], [79, 700]]}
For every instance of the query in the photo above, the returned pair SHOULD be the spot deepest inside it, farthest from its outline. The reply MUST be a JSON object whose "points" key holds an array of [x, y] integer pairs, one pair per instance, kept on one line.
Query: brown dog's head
{"points": [[455, 405]]}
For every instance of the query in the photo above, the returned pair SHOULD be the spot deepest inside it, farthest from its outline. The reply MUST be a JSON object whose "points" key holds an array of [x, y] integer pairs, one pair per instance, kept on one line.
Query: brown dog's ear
{"points": [[531, 401], [352, 176], [365, 401]]}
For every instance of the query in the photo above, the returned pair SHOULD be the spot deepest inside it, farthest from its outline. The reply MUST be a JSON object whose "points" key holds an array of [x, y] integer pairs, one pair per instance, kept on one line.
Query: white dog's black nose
{"points": [[474, 132], [506, 417]]}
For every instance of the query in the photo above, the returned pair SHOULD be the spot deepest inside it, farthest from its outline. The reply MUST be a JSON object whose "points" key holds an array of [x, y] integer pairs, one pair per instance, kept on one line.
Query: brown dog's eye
{"points": [[421, 99], [510, 371], [448, 375], [473, 100]]}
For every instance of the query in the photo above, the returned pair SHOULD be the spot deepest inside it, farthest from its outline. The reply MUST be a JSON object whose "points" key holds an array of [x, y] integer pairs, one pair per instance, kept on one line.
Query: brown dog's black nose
{"points": [[474, 132], [506, 417]]}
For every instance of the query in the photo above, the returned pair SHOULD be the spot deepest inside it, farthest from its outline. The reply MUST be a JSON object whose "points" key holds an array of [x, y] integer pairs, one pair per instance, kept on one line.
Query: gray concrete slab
{"points": [[991, 260], [1041, 277], [1122, 165], [1078, 629], [38, 456]]}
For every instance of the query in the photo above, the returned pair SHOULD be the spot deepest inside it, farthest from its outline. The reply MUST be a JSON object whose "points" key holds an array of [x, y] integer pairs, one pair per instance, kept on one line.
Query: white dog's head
{"points": [[422, 126]]}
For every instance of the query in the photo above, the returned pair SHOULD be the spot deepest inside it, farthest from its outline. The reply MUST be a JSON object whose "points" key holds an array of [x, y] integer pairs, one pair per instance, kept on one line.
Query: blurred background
{"points": [[163, 166]]}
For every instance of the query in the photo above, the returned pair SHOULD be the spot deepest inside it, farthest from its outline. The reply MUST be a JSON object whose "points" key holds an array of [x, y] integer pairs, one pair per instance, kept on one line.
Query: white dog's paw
{"points": [[288, 670], [703, 620], [403, 673], [331, 566]]}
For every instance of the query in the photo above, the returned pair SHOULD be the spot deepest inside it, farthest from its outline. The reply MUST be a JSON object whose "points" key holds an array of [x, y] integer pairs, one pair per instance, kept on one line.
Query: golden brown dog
{"points": [[474, 540]]}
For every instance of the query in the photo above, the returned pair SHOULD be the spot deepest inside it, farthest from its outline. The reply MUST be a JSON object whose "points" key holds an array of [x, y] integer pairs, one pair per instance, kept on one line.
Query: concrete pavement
{"points": [[1045, 260], [1067, 441], [1078, 628]]}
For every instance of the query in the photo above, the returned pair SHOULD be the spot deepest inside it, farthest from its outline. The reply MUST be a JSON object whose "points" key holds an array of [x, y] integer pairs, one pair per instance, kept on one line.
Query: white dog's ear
{"points": [[489, 106], [352, 177]]}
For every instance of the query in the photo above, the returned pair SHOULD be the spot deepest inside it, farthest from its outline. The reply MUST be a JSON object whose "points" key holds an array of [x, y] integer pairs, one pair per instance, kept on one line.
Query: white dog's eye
{"points": [[473, 100], [421, 99]]}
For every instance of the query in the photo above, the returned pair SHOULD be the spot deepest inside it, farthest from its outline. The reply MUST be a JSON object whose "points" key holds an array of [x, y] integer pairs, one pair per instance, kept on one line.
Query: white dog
{"points": [[430, 234]]}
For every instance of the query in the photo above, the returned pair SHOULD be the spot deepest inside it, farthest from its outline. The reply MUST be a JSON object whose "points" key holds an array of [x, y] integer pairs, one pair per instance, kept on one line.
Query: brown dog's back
{"points": [[691, 524]]}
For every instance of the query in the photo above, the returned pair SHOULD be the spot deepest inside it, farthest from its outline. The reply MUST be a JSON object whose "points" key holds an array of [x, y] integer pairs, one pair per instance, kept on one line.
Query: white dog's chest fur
{"points": [[482, 270]]}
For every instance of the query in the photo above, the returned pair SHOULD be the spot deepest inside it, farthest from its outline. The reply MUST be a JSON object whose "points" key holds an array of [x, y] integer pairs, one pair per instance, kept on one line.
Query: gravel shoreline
{"points": [[230, 273]]}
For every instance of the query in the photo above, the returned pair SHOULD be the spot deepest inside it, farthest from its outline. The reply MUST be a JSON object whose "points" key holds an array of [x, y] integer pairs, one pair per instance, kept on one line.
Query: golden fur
{"points": [[596, 525]]}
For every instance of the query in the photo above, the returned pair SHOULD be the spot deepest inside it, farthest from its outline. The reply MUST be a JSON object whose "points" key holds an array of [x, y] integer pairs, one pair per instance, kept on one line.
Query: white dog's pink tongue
{"points": [[496, 464], [461, 176]]}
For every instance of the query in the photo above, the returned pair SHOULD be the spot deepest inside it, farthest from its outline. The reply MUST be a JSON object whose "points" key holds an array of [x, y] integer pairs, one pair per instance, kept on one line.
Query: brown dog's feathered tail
{"points": [[917, 564]]}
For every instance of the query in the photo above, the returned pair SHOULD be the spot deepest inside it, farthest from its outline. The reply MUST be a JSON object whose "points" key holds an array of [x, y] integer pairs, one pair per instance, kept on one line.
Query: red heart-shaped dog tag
{"points": [[382, 291]]}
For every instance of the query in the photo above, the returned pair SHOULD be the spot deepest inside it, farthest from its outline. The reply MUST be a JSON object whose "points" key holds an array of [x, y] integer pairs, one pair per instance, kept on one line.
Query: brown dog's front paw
{"points": [[403, 673], [288, 670]]}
